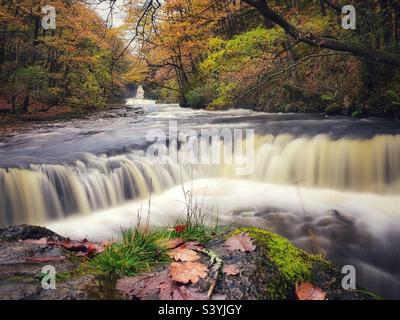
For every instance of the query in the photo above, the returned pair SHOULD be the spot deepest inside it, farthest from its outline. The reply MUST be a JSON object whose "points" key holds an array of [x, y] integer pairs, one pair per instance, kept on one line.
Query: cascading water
{"points": [[45, 192], [330, 185]]}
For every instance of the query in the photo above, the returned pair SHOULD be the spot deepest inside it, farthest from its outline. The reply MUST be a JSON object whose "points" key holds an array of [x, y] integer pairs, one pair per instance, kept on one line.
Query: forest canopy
{"points": [[73, 64], [281, 56], [276, 56]]}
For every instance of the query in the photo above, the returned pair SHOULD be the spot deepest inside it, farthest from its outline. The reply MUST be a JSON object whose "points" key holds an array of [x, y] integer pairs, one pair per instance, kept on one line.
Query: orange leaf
{"points": [[307, 291], [186, 272]]}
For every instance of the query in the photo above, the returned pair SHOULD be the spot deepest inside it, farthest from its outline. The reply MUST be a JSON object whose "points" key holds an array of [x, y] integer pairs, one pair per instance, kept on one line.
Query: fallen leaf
{"points": [[241, 242], [307, 291], [186, 272], [73, 245], [183, 254], [180, 228], [144, 285], [173, 243], [45, 259], [173, 291], [231, 270], [42, 241], [193, 245]]}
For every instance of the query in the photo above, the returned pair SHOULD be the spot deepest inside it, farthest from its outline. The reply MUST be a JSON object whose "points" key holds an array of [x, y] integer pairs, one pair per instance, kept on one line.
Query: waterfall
{"points": [[47, 192], [140, 93]]}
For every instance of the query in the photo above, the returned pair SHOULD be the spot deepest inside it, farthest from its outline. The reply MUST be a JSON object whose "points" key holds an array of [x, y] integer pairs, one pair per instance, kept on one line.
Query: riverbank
{"points": [[235, 264]]}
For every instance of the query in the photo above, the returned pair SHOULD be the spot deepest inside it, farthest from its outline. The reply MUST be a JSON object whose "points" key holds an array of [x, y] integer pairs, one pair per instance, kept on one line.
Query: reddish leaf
{"points": [[145, 285], [193, 245], [186, 272], [173, 243], [45, 259], [307, 291], [75, 246], [241, 242], [231, 270], [180, 228], [42, 241], [173, 291], [183, 254]]}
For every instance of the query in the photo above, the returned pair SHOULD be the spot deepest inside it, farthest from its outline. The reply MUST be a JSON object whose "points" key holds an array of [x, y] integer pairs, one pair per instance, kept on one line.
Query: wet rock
{"points": [[23, 232], [22, 279]]}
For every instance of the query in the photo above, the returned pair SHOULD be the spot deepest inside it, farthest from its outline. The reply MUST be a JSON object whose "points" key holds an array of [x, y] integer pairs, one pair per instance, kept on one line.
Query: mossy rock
{"points": [[273, 269]]}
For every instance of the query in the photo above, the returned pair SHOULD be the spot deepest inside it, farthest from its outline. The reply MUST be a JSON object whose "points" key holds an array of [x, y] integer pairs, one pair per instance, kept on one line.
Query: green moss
{"points": [[293, 264]]}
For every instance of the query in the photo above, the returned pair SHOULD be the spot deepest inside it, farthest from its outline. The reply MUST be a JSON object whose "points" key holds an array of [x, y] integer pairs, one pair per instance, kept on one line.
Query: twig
{"points": [[217, 263]]}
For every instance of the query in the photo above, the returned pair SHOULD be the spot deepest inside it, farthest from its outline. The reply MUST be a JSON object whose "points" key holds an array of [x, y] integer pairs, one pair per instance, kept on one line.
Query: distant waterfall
{"points": [[45, 192], [140, 93]]}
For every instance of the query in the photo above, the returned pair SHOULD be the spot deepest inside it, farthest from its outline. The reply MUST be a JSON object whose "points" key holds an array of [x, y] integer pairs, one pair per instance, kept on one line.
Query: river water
{"points": [[329, 184]]}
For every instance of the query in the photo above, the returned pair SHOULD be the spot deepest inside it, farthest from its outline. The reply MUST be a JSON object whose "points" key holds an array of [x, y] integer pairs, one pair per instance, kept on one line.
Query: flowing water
{"points": [[330, 185]]}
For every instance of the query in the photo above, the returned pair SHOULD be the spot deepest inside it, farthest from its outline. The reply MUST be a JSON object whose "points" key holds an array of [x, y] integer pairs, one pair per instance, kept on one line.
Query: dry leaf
{"points": [[173, 243], [185, 272], [172, 291], [193, 245], [231, 270], [143, 285], [183, 254], [241, 242], [42, 241], [307, 291]]}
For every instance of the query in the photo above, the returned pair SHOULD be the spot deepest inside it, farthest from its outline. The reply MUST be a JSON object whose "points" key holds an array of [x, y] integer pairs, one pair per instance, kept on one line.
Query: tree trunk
{"points": [[25, 104], [13, 103], [323, 8]]}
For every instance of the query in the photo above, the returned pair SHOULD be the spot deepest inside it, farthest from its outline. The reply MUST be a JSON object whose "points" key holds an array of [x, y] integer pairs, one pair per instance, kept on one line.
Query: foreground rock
{"points": [[269, 272]]}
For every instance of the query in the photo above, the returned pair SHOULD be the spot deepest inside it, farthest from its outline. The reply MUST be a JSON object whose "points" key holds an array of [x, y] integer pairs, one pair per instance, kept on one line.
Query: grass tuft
{"points": [[137, 252]]}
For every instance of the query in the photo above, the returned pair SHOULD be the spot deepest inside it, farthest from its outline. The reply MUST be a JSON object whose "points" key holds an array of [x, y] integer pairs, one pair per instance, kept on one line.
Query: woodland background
{"points": [[274, 56]]}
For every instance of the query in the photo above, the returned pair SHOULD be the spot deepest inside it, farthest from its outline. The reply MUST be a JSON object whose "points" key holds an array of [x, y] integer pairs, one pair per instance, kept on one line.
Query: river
{"points": [[329, 184]]}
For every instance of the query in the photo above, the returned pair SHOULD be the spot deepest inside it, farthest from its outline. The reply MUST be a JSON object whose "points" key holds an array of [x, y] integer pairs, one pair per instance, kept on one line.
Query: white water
{"points": [[89, 178]]}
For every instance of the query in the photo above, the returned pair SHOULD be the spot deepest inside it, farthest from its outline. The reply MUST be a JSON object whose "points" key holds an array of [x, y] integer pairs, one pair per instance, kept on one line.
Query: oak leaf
{"points": [[307, 291], [183, 254], [241, 242], [186, 272]]}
